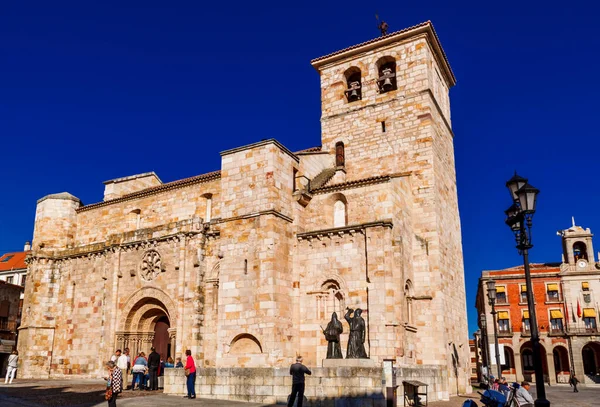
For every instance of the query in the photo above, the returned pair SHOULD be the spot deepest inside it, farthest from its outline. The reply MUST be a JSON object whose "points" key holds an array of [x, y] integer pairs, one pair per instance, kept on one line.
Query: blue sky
{"points": [[93, 90]]}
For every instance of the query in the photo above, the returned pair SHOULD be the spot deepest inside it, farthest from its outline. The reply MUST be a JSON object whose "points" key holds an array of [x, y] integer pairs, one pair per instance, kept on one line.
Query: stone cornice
{"points": [[439, 110], [115, 243], [211, 176], [359, 183], [344, 230]]}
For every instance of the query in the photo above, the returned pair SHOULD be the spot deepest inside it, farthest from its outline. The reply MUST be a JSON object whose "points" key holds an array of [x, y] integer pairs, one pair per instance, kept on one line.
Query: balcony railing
{"points": [[525, 332], [557, 297], [504, 332], [581, 330], [501, 301], [556, 331]]}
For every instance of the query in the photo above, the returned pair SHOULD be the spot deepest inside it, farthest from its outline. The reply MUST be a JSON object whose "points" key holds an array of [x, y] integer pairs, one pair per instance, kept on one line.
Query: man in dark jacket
{"points": [[153, 364], [297, 370]]}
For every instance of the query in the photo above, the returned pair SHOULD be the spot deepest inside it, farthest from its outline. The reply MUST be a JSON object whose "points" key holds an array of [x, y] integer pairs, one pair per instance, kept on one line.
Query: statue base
{"points": [[350, 363]]}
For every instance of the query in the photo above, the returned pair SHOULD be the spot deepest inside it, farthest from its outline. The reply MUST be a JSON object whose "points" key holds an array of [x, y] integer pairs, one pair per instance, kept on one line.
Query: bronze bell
{"points": [[387, 83], [354, 95]]}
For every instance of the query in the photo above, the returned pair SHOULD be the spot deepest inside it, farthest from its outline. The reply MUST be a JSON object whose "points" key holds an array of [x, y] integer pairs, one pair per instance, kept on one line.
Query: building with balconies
{"points": [[566, 296]]}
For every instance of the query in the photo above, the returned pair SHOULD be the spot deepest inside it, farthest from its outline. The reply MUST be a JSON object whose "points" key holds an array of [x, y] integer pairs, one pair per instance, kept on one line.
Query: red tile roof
{"points": [[13, 261], [309, 150], [383, 37]]}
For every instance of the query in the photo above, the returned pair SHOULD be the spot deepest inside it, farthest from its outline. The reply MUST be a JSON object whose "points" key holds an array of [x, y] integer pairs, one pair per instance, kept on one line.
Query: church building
{"points": [[244, 265]]}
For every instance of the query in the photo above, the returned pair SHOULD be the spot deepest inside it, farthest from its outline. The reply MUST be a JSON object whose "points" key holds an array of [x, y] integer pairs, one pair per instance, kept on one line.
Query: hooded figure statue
{"points": [[332, 334], [356, 340]]}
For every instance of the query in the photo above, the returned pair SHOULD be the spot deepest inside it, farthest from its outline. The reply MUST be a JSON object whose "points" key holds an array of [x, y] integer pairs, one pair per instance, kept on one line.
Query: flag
{"points": [[573, 314], [578, 309], [566, 312]]}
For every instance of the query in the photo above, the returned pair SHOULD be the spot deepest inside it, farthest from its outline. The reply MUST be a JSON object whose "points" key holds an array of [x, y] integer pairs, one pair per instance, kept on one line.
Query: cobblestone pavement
{"points": [[90, 393]]}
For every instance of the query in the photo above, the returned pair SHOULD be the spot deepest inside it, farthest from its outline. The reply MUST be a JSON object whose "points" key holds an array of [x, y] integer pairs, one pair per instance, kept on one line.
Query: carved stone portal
{"points": [[151, 265]]}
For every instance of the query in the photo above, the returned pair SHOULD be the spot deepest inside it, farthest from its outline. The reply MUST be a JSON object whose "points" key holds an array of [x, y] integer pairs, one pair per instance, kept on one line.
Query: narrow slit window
{"points": [[383, 126]]}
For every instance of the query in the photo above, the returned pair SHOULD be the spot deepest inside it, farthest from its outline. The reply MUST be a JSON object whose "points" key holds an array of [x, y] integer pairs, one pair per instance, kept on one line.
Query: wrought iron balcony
{"points": [[501, 301], [504, 332], [525, 332], [555, 297], [556, 331], [582, 330]]}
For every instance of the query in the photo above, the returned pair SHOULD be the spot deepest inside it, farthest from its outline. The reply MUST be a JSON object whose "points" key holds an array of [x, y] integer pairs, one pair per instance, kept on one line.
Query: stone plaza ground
{"points": [[89, 393]]}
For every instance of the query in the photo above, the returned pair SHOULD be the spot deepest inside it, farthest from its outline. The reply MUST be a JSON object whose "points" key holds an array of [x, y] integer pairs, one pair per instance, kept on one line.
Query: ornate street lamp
{"points": [[519, 218], [491, 292]]}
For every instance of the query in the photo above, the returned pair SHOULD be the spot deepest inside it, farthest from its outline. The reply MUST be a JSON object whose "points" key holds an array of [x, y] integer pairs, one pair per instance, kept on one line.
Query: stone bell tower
{"points": [[386, 112]]}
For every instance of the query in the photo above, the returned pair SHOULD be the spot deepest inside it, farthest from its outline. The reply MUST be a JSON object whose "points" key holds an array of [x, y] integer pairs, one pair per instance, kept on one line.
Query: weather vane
{"points": [[382, 26]]}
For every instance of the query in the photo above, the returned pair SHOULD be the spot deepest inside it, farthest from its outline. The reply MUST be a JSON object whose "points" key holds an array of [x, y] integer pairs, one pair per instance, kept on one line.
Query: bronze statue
{"points": [[332, 334], [356, 340]]}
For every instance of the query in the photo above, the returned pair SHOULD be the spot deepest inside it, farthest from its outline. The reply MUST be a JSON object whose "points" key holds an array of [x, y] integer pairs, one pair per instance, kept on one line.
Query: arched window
{"points": [[408, 294], [245, 344], [580, 251], [386, 68], [339, 214], [340, 157], [353, 84], [330, 299]]}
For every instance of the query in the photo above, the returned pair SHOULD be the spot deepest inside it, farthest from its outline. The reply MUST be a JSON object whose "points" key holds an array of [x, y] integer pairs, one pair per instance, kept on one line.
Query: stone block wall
{"points": [[55, 221], [127, 185], [325, 387]]}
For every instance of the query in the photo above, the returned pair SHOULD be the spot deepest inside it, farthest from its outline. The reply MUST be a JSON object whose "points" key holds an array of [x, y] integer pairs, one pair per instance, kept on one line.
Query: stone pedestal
{"points": [[350, 363]]}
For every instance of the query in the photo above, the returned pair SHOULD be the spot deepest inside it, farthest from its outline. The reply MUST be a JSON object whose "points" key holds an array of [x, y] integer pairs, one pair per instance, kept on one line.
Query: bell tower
{"points": [[578, 251], [386, 114], [385, 100]]}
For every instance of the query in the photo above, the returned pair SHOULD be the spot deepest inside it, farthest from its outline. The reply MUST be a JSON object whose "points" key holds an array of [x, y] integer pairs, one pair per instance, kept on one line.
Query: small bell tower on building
{"points": [[578, 250]]}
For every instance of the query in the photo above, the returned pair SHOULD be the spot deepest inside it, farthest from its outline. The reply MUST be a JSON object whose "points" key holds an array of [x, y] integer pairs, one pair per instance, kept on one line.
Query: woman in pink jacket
{"points": [[190, 371]]}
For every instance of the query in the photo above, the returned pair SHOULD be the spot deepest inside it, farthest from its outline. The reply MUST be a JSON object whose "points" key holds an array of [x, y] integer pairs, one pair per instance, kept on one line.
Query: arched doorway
{"points": [[146, 321], [561, 364], [527, 361], [591, 358]]}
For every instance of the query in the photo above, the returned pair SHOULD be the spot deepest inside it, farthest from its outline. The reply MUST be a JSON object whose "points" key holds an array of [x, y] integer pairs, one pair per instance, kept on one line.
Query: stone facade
{"points": [[566, 305], [243, 265]]}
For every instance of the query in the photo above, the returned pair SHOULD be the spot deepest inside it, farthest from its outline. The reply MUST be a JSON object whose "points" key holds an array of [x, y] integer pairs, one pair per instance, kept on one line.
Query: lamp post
{"points": [[491, 290], [519, 218], [483, 322]]}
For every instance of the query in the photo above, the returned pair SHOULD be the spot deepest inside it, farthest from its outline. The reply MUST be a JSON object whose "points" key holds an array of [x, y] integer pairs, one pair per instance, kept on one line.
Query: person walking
{"points": [[190, 372], [11, 369], [153, 365], [297, 371], [573, 381], [522, 395], [114, 383]]}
